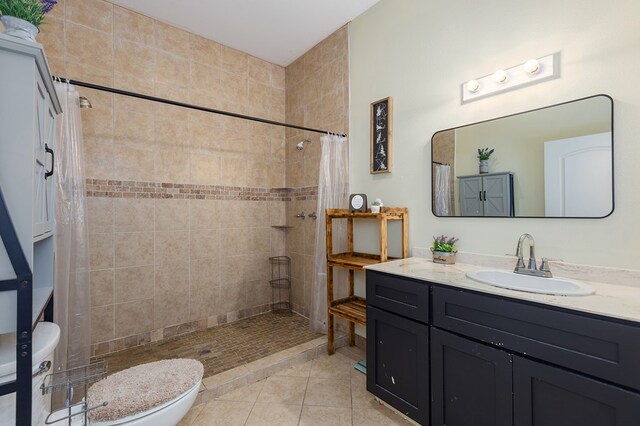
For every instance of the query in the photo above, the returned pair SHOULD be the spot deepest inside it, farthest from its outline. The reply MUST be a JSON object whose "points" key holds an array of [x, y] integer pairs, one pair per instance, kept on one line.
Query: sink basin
{"points": [[528, 283]]}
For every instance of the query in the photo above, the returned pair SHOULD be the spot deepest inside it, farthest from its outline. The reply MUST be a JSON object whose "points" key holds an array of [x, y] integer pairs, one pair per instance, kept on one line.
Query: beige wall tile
{"points": [[172, 277], [171, 39], [205, 169], [172, 69], [172, 215], [101, 251], [205, 214], [132, 26], [258, 293], [52, 37], [96, 14], [232, 296], [88, 46], [205, 244], [133, 162], [100, 212], [88, 71], [102, 323], [171, 165], [58, 11], [101, 287], [204, 51], [98, 159], [134, 59], [133, 214], [135, 283], [234, 61], [133, 317], [171, 246], [171, 309], [133, 249], [133, 128]]}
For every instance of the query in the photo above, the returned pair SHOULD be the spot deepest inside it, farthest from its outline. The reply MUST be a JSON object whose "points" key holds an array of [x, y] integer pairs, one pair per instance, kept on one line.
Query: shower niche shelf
{"points": [[353, 308]]}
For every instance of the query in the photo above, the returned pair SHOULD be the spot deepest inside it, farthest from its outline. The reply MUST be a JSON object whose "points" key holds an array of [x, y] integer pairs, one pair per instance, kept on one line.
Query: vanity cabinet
{"points": [[488, 194], [470, 382], [398, 343], [498, 361]]}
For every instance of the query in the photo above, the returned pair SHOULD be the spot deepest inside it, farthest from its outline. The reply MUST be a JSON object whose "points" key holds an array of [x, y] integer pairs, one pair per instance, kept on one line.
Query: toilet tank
{"points": [[45, 339]]}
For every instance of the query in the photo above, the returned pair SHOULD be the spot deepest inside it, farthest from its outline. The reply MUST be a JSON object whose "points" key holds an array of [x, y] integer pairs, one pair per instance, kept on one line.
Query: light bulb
{"points": [[500, 76], [531, 66], [473, 86]]}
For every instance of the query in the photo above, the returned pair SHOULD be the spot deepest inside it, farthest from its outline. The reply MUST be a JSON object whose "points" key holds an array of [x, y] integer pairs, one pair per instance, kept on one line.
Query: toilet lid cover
{"points": [[143, 387]]}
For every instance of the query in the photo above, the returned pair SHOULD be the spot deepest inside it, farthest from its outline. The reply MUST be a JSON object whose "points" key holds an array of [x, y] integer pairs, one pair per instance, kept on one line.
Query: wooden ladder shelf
{"points": [[353, 308]]}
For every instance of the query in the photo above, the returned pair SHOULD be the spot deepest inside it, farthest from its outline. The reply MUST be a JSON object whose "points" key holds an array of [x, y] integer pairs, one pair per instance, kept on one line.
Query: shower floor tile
{"points": [[223, 347]]}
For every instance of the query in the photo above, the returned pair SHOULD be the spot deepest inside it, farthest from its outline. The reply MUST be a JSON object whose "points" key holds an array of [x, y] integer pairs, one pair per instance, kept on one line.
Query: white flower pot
{"points": [[484, 166], [19, 28], [375, 209]]}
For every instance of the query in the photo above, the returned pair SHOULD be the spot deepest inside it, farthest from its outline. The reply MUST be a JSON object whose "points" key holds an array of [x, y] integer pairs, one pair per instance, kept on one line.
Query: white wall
{"points": [[420, 51]]}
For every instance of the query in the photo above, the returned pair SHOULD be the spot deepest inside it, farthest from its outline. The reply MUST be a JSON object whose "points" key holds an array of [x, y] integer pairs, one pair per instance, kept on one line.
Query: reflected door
{"points": [[578, 176]]}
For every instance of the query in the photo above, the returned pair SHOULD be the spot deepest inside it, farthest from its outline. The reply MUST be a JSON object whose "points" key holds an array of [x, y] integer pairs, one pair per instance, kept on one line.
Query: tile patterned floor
{"points": [[326, 391], [223, 347]]}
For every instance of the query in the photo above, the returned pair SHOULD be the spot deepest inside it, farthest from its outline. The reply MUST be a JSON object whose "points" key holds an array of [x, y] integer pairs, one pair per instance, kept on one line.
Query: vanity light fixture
{"points": [[531, 72], [532, 66], [473, 86], [500, 76]]}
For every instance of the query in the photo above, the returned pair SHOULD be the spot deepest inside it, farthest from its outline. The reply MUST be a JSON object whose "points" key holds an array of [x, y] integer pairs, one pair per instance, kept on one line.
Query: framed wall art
{"points": [[381, 135]]}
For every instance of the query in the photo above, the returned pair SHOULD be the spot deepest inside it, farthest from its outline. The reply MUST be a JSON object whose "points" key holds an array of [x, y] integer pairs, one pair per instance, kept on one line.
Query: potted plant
{"points": [[21, 18], [483, 155], [376, 205], [444, 250]]}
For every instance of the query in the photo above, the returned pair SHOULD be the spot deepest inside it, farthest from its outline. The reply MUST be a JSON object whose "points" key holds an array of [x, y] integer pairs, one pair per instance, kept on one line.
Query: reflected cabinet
{"points": [[487, 195]]}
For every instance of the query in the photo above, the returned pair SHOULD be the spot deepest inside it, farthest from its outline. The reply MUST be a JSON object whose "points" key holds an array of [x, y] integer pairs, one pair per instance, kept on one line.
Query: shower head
{"points": [[300, 145], [85, 103]]}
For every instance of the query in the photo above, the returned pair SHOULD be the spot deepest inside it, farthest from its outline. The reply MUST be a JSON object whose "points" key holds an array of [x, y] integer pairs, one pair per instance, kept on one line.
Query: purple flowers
{"points": [[47, 5], [444, 243]]}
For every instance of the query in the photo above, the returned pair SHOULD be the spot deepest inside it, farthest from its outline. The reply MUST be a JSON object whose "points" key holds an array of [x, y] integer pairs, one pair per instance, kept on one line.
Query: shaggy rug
{"points": [[142, 388]]}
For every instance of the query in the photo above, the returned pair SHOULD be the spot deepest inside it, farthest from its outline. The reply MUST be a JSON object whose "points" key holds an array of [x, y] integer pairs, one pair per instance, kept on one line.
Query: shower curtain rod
{"points": [[190, 106]]}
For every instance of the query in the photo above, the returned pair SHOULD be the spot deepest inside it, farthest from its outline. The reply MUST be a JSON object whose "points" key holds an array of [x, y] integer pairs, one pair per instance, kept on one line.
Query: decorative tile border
{"points": [[136, 189]]}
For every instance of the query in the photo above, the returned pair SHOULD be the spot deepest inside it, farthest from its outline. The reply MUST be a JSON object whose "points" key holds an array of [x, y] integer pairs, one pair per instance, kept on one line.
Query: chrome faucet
{"points": [[532, 268]]}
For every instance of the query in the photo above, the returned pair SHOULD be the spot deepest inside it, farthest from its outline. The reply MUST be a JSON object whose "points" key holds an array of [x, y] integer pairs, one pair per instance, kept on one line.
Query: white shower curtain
{"points": [[443, 191], [333, 192], [71, 295]]}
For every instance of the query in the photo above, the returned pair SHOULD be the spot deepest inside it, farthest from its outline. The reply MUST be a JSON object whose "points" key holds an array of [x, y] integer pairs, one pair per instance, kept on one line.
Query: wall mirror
{"points": [[555, 161]]}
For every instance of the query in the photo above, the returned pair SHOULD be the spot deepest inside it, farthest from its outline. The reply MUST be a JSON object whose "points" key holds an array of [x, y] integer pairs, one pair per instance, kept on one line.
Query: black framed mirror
{"points": [[554, 162]]}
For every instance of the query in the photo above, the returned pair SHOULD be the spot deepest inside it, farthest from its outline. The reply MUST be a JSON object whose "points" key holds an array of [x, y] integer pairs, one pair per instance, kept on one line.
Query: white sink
{"points": [[531, 284]]}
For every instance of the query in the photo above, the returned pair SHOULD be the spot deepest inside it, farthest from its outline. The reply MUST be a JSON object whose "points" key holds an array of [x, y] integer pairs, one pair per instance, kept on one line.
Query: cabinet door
{"points": [[471, 196], [550, 396], [398, 362], [496, 193], [40, 205], [470, 382]]}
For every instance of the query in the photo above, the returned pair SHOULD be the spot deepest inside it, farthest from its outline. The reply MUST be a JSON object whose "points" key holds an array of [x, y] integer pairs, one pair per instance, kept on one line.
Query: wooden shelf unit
{"points": [[353, 308]]}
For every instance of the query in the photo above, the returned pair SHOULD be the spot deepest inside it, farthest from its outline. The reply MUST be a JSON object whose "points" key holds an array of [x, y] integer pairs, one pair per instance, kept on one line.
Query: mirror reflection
{"points": [[550, 162]]}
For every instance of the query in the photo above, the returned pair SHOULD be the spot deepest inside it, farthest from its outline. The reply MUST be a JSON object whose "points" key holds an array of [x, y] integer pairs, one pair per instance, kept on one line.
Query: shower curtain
{"points": [[333, 192], [442, 190], [71, 297]]}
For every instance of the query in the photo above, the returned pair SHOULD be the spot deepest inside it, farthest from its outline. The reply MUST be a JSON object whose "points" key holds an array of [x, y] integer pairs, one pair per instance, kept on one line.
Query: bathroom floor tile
{"points": [[295, 397], [223, 347], [225, 413]]}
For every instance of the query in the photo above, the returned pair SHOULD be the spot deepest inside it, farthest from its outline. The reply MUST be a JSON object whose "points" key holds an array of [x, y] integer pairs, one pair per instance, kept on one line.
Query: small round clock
{"points": [[358, 203]]}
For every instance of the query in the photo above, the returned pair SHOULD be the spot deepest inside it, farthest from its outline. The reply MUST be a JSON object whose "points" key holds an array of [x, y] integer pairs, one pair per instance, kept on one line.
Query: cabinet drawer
{"points": [[598, 347], [402, 296]]}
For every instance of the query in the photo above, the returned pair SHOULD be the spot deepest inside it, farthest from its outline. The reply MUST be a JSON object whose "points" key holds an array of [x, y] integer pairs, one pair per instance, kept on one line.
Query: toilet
{"points": [[154, 394], [44, 341]]}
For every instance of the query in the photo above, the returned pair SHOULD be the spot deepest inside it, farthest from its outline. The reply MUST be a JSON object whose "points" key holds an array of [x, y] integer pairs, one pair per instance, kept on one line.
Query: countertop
{"points": [[620, 300]]}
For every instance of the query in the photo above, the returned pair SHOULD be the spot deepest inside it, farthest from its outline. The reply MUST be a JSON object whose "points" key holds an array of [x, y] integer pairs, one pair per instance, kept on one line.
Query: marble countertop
{"points": [[617, 300]]}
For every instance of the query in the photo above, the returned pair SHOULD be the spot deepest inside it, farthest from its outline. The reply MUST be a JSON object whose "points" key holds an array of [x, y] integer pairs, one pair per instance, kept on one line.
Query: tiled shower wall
{"points": [[317, 96], [180, 202]]}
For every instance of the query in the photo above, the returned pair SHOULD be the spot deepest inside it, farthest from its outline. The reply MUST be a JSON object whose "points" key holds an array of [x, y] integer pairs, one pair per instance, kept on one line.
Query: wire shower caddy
{"points": [[280, 283]]}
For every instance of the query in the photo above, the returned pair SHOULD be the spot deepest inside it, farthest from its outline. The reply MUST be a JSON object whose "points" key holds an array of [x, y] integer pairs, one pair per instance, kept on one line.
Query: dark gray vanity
{"points": [[458, 357]]}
